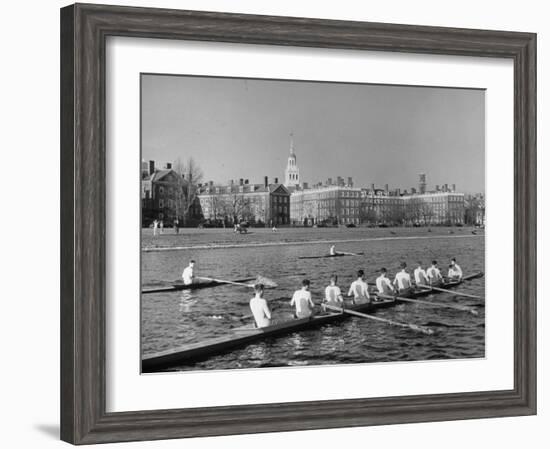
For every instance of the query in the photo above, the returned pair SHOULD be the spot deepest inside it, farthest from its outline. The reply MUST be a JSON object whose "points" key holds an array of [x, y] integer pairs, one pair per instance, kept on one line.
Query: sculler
{"points": [[188, 274], [332, 251], [434, 275], [360, 289], [302, 301], [402, 281], [333, 294], [420, 275], [383, 284], [260, 308], [455, 272]]}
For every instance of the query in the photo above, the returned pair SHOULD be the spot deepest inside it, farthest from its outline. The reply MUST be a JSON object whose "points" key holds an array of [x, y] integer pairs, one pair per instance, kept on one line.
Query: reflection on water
{"points": [[171, 319], [186, 301]]}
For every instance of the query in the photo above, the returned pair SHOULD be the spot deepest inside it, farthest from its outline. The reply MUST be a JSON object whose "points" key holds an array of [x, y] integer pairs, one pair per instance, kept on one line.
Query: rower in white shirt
{"points": [[360, 289], [420, 275], [434, 275], [333, 294], [402, 281], [259, 307], [302, 301], [188, 274], [332, 250], [455, 272], [383, 284]]}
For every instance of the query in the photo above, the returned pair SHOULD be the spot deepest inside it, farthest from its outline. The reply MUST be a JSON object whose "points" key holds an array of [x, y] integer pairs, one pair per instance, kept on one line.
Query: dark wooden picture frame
{"points": [[84, 29]]}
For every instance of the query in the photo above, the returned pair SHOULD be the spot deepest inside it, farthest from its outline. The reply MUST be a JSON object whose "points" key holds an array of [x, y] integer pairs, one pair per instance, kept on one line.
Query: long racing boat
{"points": [[242, 336], [179, 285]]}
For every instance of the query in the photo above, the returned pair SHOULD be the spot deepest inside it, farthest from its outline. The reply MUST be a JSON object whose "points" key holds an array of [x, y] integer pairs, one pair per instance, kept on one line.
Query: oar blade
{"points": [[266, 282]]}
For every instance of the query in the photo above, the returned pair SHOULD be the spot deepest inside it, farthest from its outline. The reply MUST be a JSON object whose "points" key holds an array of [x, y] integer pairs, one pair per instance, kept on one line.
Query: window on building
{"points": [[161, 190], [161, 204]]}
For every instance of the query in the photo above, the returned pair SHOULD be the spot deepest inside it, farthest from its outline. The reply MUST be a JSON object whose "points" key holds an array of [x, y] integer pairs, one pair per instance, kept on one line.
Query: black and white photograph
{"points": [[302, 223]]}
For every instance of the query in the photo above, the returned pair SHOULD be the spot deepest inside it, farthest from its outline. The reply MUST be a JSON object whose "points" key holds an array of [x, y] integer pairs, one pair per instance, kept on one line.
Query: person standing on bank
{"points": [[260, 308], [155, 227], [302, 301], [176, 226], [359, 289]]}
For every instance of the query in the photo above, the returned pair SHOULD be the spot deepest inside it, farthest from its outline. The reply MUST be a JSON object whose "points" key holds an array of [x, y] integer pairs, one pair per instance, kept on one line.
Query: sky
{"points": [[240, 128]]}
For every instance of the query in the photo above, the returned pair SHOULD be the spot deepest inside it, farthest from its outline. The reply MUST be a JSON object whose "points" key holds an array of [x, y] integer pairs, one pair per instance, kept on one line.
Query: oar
{"points": [[439, 304], [348, 254], [454, 292], [259, 280], [414, 327]]}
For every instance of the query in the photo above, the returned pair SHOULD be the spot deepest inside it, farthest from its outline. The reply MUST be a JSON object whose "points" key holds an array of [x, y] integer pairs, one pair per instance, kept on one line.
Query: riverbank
{"points": [[193, 238]]}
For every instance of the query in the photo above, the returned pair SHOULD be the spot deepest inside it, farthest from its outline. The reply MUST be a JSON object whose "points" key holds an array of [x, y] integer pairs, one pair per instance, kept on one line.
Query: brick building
{"points": [[263, 204]]}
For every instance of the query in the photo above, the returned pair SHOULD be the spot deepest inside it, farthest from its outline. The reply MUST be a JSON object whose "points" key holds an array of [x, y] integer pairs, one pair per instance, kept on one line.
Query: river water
{"points": [[171, 319]]}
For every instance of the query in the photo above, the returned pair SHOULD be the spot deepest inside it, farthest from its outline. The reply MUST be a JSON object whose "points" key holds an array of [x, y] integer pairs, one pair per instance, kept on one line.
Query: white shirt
{"points": [[333, 294], [302, 300], [332, 251], [384, 285], [261, 312], [403, 280], [360, 290], [188, 275], [456, 270], [434, 275], [420, 276]]}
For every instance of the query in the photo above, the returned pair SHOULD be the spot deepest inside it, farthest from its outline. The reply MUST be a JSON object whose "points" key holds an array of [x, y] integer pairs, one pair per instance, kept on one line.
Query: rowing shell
{"points": [[330, 255], [238, 337], [179, 285]]}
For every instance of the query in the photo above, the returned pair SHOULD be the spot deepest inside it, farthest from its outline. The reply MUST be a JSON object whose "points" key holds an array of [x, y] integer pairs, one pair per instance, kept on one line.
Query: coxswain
{"points": [[188, 274], [333, 294], [260, 308], [402, 281], [301, 299], [455, 272], [383, 284], [360, 289], [434, 275]]}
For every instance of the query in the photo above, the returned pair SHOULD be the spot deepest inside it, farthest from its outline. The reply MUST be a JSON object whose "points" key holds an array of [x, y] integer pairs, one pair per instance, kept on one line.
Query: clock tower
{"points": [[292, 173]]}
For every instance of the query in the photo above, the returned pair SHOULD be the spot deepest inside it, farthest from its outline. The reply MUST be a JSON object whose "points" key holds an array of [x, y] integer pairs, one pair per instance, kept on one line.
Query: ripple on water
{"points": [[171, 319]]}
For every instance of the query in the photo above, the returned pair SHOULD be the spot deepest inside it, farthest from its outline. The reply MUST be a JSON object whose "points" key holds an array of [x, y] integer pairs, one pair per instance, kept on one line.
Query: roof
{"points": [[247, 188], [158, 175]]}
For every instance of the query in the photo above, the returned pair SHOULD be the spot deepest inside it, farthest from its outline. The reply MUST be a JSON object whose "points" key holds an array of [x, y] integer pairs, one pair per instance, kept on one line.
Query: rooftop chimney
{"points": [[276, 180], [168, 165], [437, 188], [266, 181], [387, 188], [329, 181], [241, 181], [246, 181], [454, 187], [350, 181], [151, 167]]}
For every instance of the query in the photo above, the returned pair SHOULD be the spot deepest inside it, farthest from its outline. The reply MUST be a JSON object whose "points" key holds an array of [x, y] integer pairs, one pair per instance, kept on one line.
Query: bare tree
{"points": [[238, 207], [193, 176], [427, 213]]}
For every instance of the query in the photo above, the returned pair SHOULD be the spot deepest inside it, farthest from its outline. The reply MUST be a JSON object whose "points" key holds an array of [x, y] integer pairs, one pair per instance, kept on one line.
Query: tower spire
{"points": [[292, 143]]}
